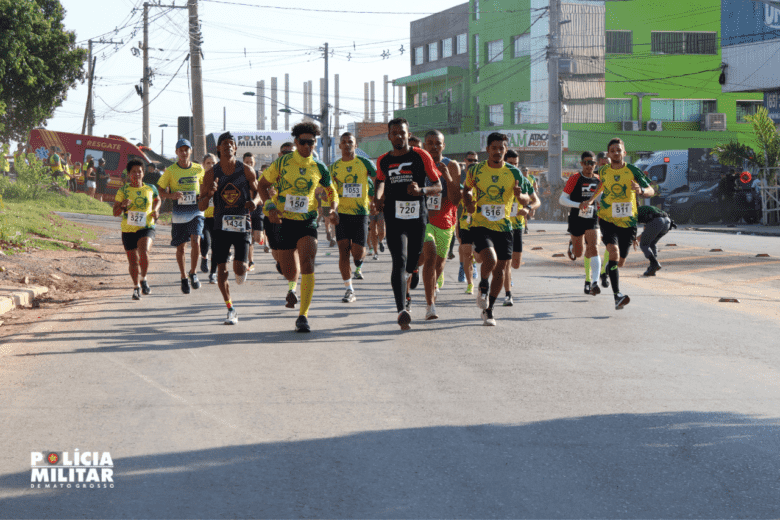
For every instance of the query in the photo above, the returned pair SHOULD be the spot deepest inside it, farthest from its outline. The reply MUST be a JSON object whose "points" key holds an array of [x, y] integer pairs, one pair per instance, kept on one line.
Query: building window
{"points": [[446, 48], [495, 115], [619, 42], [683, 42], [476, 9], [521, 112], [433, 51], [522, 45], [416, 101], [495, 51], [617, 110], [462, 47], [424, 99], [747, 108], [419, 55], [476, 50], [690, 110]]}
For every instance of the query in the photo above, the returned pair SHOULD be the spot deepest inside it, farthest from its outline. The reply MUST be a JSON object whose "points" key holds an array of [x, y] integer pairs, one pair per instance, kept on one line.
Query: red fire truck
{"points": [[114, 149]]}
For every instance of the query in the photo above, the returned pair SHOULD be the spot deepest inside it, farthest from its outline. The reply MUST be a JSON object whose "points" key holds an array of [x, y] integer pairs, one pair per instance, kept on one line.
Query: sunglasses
{"points": [[589, 163], [306, 142], [471, 160]]}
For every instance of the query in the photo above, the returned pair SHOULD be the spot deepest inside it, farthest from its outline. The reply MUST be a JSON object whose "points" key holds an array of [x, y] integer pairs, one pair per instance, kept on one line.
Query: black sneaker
{"points": [[185, 286], [136, 293], [621, 301], [415, 279], [204, 264], [594, 289], [291, 299], [404, 319], [654, 267], [302, 324], [587, 287], [194, 281], [381, 247], [604, 280], [145, 287]]}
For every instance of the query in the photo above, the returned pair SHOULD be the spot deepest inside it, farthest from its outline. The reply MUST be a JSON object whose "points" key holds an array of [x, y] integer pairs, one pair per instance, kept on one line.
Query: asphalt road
{"points": [[567, 408]]}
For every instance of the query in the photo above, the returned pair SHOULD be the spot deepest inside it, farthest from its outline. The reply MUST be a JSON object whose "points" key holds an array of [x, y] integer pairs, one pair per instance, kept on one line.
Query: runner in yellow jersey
{"points": [[352, 177], [296, 177], [139, 205], [519, 215], [490, 189], [621, 184]]}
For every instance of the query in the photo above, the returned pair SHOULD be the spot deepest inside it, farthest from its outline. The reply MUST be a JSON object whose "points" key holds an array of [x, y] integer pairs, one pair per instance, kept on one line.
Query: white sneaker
{"points": [[487, 318], [482, 299], [508, 302], [232, 317], [430, 314], [349, 296]]}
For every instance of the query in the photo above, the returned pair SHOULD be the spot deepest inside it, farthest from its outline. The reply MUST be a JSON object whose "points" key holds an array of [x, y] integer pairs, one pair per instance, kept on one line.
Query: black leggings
{"points": [[405, 242], [205, 239]]}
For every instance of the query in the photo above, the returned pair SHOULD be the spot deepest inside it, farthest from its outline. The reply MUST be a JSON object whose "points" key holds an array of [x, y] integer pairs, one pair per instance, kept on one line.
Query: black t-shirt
{"points": [[399, 171], [581, 188], [100, 175]]}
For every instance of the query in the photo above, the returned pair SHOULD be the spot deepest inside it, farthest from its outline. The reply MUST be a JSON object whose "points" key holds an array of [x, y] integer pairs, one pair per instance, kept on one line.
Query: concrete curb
{"points": [[10, 298], [734, 231]]}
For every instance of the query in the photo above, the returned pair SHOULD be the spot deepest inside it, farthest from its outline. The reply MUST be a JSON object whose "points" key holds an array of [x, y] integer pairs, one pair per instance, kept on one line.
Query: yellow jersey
{"points": [[352, 181], [296, 178], [138, 214], [494, 194], [618, 201]]}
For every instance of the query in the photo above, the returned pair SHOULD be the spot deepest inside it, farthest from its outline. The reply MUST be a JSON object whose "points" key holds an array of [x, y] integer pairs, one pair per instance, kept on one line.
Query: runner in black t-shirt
{"points": [[400, 194]]}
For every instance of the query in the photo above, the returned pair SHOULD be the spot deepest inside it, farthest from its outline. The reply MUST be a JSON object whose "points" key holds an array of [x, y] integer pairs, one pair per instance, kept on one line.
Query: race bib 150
{"points": [[296, 204]]}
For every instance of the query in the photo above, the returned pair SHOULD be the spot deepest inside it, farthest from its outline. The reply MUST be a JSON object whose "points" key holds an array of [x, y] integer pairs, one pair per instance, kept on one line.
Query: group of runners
{"points": [[415, 195]]}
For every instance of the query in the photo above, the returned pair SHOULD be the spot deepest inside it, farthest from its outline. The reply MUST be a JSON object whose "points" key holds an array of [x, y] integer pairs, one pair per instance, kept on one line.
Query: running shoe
{"points": [[415, 279], [266, 249], [508, 302], [408, 305], [461, 274], [570, 252], [204, 264], [232, 317], [358, 275], [185, 286], [251, 267], [430, 313], [302, 324], [241, 278], [470, 288], [291, 299], [349, 296], [594, 289], [604, 280], [145, 289], [621, 300], [137, 293], [587, 287], [450, 256], [376, 256], [404, 319], [482, 295], [194, 281], [212, 278], [381, 247], [487, 318], [440, 281], [654, 267], [332, 244], [525, 232]]}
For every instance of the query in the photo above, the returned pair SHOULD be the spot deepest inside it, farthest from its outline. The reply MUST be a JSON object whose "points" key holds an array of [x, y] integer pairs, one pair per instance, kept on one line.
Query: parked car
{"points": [[703, 206]]}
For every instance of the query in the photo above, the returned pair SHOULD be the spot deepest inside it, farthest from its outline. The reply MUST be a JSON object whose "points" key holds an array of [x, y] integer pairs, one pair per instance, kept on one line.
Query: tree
{"points": [[39, 62], [767, 138]]}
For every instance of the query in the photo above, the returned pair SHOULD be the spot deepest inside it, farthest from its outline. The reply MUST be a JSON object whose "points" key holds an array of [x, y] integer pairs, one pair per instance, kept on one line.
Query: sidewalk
{"points": [[743, 229]]}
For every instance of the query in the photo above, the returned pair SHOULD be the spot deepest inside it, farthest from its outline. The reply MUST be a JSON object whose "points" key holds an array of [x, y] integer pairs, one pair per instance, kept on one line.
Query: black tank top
{"points": [[231, 195]]}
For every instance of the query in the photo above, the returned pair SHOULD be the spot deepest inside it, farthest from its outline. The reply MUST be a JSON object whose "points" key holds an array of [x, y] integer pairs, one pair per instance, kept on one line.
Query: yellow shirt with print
{"points": [[141, 199], [493, 189], [296, 178], [527, 187], [618, 200], [357, 173]]}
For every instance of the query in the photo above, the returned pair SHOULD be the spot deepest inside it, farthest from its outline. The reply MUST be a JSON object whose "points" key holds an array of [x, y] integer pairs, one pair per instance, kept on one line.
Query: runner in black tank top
{"points": [[235, 196]]}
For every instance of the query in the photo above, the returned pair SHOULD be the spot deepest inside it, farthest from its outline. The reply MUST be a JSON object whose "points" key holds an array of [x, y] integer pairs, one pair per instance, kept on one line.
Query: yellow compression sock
{"points": [[307, 291], [229, 304], [292, 285], [604, 264]]}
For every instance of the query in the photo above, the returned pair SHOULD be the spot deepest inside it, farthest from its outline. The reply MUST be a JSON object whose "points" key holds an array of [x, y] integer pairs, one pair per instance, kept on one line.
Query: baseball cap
{"points": [[227, 136], [183, 142]]}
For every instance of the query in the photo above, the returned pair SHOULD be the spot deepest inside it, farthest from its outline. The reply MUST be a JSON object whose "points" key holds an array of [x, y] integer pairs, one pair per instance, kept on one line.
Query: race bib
{"points": [[234, 223], [296, 204], [136, 218], [188, 198], [352, 190], [515, 208], [588, 213], [211, 202], [407, 209], [433, 202], [494, 212], [621, 209]]}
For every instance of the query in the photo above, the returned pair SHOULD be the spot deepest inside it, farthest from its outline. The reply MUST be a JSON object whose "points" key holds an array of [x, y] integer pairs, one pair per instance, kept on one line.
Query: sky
{"points": [[244, 41]]}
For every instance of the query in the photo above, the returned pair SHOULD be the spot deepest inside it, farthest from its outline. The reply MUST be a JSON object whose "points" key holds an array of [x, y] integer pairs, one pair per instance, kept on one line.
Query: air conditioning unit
{"points": [[715, 122], [655, 126], [567, 66], [630, 126]]}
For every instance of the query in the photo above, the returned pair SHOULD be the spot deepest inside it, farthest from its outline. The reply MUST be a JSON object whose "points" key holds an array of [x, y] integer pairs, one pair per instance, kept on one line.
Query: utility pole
{"points": [[555, 125], [286, 101], [89, 118], [146, 134], [198, 123], [324, 116]]}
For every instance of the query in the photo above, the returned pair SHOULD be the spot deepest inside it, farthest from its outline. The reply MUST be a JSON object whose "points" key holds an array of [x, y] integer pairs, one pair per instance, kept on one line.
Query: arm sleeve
{"points": [[570, 184], [566, 201]]}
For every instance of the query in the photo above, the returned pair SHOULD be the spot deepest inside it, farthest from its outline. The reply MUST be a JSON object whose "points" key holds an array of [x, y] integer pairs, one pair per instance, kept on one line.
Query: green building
{"points": [[484, 69]]}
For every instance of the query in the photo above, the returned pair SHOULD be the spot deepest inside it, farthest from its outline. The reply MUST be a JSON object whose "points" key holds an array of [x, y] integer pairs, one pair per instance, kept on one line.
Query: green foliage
{"points": [[24, 225], [767, 139], [39, 63], [33, 181], [734, 154]]}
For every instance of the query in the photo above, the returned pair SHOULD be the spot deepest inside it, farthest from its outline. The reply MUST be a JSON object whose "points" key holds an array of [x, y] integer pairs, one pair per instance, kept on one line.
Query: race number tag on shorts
{"points": [[494, 212], [352, 190], [136, 218], [588, 213], [433, 203], [407, 209], [621, 209], [188, 198], [296, 204], [515, 209], [234, 223], [211, 202]]}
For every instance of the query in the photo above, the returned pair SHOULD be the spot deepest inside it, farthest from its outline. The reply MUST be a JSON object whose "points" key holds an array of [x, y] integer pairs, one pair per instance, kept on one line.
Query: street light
{"points": [[162, 138]]}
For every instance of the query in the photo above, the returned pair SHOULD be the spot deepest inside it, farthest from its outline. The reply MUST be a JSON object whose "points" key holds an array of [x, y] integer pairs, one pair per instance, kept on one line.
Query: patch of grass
{"points": [[76, 203], [25, 225]]}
